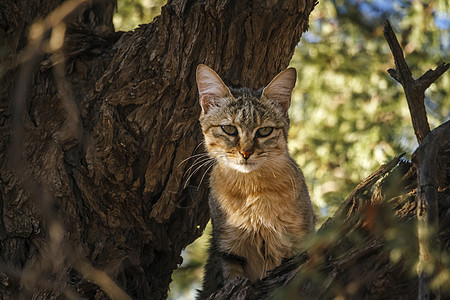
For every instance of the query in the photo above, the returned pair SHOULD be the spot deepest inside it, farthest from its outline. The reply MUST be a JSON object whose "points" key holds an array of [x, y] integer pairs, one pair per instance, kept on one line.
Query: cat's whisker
{"points": [[204, 163], [206, 156], [201, 160], [197, 162], [195, 167], [192, 156], [201, 143], [206, 172]]}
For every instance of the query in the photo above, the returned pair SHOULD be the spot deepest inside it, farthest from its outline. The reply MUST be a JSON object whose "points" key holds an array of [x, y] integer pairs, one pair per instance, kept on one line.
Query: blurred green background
{"points": [[348, 115]]}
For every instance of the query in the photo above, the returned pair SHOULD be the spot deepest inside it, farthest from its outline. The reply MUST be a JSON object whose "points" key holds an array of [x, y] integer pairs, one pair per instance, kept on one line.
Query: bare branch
{"points": [[403, 73], [431, 76], [394, 74], [414, 89], [414, 96]]}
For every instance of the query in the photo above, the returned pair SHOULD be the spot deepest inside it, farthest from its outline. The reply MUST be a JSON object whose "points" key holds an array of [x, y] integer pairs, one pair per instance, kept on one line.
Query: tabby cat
{"points": [[259, 203]]}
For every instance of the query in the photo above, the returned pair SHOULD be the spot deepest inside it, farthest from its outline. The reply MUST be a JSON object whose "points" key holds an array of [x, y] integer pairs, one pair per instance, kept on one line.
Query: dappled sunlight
{"points": [[347, 112]]}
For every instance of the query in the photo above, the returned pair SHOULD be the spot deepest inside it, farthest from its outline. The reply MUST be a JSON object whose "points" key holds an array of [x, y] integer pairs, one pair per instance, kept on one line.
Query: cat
{"points": [[259, 202]]}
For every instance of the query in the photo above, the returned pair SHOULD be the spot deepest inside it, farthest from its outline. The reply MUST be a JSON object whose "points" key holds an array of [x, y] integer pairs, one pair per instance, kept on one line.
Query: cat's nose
{"points": [[246, 154]]}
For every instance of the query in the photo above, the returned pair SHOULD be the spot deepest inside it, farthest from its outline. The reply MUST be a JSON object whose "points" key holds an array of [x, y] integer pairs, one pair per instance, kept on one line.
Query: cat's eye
{"points": [[230, 130], [264, 131]]}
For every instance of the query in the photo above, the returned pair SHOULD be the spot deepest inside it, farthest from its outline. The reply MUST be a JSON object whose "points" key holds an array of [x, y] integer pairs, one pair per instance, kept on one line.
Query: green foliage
{"points": [[131, 13], [348, 115], [187, 278]]}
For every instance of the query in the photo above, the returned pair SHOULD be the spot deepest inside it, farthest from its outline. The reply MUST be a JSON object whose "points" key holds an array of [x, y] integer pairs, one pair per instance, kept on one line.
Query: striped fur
{"points": [[259, 203]]}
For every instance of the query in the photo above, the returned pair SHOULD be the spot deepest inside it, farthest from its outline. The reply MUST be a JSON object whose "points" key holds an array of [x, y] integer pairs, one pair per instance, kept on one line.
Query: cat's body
{"points": [[259, 203]]}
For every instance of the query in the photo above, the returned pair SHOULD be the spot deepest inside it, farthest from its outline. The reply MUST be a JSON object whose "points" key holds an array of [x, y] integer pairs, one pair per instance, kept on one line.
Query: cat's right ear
{"points": [[279, 90], [211, 88]]}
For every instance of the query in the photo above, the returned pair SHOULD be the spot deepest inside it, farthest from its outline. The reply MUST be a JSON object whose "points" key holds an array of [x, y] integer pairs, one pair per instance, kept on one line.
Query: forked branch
{"points": [[414, 88]]}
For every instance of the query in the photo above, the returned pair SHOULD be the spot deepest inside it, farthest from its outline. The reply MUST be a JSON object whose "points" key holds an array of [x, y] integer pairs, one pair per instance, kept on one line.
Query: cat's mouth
{"points": [[243, 165]]}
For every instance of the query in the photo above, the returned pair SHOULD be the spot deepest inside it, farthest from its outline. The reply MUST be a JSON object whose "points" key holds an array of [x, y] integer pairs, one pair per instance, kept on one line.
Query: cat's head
{"points": [[245, 129]]}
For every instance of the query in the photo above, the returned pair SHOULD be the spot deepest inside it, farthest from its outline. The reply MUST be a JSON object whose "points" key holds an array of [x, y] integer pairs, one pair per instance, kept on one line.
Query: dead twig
{"points": [[414, 88]]}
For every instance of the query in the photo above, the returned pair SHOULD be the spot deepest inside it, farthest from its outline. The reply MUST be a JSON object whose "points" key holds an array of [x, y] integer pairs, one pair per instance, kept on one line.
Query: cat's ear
{"points": [[279, 90], [211, 88]]}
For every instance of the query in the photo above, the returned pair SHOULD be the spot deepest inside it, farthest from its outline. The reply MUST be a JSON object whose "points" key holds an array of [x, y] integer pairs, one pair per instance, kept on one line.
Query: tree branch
{"points": [[431, 76], [414, 89], [403, 74], [425, 158]]}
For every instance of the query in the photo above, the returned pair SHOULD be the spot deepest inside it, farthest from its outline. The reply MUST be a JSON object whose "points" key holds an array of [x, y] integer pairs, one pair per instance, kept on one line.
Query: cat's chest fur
{"points": [[262, 216]]}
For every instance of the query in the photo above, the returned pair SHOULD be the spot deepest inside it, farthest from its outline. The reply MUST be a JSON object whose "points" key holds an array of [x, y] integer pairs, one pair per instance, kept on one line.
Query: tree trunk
{"points": [[98, 194]]}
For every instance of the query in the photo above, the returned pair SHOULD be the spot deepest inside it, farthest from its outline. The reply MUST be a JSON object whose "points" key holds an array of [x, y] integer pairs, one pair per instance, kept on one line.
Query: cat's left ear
{"points": [[279, 90], [211, 88]]}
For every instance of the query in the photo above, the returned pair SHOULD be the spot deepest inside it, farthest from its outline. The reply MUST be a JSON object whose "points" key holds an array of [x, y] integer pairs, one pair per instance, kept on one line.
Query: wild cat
{"points": [[259, 202]]}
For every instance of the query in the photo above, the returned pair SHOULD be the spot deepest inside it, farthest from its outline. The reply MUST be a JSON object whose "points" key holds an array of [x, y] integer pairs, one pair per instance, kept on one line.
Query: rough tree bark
{"points": [[95, 194]]}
